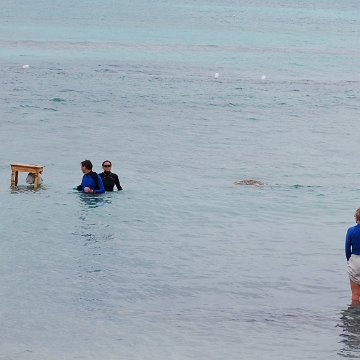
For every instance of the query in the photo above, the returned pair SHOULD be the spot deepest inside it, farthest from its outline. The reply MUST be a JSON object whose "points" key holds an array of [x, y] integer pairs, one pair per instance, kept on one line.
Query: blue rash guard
{"points": [[352, 242], [88, 181]]}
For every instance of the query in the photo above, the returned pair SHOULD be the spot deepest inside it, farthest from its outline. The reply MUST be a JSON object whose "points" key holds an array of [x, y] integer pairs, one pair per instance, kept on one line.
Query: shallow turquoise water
{"points": [[182, 264]]}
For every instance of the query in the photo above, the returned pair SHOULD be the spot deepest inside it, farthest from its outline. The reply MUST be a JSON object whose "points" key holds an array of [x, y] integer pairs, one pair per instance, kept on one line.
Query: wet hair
{"points": [[87, 164], [106, 161], [357, 214]]}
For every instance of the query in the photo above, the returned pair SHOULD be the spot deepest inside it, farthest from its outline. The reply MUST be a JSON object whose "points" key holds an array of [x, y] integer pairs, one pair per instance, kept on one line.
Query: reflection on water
{"points": [[92, 257], [350, 324], [91, 201], [26, 188]]}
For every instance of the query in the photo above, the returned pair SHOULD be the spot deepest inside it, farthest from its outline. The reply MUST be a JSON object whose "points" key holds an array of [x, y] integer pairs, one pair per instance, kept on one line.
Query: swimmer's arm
{"points": [[117, 183], [348, 245]]}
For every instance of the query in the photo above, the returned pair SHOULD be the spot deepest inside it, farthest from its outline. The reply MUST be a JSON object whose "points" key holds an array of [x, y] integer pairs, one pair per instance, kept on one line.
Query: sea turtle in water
{"points": [[249, 182]]}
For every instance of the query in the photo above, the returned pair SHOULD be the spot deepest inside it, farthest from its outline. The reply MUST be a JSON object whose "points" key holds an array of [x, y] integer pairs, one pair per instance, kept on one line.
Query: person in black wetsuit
{"points": [[109, 179]]}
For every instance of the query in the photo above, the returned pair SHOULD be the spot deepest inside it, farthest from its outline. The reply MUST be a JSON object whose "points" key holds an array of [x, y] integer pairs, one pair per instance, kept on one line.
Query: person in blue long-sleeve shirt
{"points": [[352, 253], [91, 182]]}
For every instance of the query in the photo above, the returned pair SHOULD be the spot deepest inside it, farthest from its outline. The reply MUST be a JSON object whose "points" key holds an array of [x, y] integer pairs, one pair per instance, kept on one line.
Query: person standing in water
{"points": [[91, 182], [352, 252], [109, 179]]}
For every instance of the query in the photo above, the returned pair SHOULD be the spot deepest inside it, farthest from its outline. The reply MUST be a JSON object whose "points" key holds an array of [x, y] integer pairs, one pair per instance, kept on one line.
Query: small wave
{"points": [[26, 106], [110, 71], [70, 90], [57, 99], [299, 186]]}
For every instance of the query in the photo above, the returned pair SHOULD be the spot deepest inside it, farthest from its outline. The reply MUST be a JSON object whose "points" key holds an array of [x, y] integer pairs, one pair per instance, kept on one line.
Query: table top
{"points": [[26, 166]]}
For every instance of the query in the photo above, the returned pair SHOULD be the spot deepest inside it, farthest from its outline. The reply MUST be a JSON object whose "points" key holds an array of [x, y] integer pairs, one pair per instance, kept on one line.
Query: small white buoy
{"points": [[216, 75], [25, 66], [263, 77]]}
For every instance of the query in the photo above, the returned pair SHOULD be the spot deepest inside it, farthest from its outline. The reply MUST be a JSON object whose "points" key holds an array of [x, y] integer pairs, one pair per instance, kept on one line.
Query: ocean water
{"points": [[185, 98]]}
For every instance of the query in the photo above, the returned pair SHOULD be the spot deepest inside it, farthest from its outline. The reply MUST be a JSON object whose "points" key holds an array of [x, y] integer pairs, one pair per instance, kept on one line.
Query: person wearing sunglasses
{"points": [[109, 179]]}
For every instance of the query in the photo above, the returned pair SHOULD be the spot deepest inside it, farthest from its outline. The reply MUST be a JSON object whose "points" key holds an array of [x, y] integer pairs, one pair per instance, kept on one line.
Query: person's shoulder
{"points": [[354, 229], [114, 175]]}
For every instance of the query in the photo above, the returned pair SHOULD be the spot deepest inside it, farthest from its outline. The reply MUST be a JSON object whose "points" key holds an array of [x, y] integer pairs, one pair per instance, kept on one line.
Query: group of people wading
{"points": [[93, 183]]}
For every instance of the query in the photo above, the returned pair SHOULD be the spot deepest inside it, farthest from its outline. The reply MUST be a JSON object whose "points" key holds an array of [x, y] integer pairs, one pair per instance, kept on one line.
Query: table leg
{"points": [[12, 179], [36, 179]]}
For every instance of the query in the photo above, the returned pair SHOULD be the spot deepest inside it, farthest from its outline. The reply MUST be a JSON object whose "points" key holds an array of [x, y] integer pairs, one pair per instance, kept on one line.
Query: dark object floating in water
{"points": [[249, 182], [57, 99]]}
